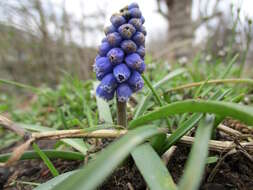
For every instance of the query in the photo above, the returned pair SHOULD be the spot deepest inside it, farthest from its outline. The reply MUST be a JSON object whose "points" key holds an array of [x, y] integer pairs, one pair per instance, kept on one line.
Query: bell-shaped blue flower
{"points": [[102, 93], [135, 13], [127, 31], [135, 81], [143, 30], [104, 48], [128, 46], [139, 38], [142, 68], [136, 22], [141, 51], [114, 39], [110, 29], [97, 57], [102, 67], [121, 72], [116, 55], [123, 92], [109, 83], [117, 20], [133, 61]]}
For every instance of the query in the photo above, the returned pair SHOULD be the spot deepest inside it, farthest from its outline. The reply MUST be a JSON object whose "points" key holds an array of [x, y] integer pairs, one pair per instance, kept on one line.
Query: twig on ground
{"points": [[229, 130], [10, 125], [218, 146], [168, 154], [217, 81], [130, 186], [215, 169]]}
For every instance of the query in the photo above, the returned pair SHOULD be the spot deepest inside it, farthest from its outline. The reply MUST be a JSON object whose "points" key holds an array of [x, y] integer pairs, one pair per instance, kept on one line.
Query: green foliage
{"points": [[152, 168], [198, 155], [46, 160], [72, 105], [92, 175]]}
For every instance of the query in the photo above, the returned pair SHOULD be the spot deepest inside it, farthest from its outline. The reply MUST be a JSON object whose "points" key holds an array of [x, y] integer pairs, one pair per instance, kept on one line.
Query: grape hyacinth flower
{"points": [[120, 60]]}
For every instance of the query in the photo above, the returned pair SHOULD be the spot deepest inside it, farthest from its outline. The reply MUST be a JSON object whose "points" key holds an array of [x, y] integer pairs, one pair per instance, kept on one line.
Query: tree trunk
{"points": [[180, 26]]}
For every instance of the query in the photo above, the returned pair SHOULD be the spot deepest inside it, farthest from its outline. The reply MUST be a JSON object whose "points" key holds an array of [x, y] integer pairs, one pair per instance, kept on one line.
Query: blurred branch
{"points": [[159, 10], [205, 19]]}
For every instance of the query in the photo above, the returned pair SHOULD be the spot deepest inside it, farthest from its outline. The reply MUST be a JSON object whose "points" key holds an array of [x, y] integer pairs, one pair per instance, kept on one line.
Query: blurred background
{"points": [[39, 39]]}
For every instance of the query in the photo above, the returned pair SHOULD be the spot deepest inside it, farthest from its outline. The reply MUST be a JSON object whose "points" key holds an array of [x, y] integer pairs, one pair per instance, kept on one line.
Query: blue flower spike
{"points": [[120, 60]]}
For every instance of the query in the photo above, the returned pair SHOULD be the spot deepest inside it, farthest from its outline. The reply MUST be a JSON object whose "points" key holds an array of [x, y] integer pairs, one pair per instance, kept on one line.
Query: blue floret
{"points": [[121, 72], [123, 92], [135, 81], [134, 61], [102, 93], [116, 55]]}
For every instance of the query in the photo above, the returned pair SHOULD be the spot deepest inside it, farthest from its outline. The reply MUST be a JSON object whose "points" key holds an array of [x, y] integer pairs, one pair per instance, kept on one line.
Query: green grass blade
{"points": [[152, 168], [224, 74], [103, 108], [190, 122], [212, 159], [195, 165], [93, 174], [229, 67], [182, 130], [240, 112], [20, 85], [148, 83], [46, 160], [157, 141], [77, 144], [52, 154], [49, 185], [142, 106]]}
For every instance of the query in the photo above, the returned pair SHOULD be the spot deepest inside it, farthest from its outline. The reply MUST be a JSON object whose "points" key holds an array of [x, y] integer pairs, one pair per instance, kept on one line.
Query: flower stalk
{"points": [[121, 113]]}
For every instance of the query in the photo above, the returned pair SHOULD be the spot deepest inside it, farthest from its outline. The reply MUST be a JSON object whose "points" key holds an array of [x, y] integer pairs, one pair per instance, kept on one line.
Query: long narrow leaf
{"points": [[240, 112], [52, 154], [144, 101], [46, 160], [92, 175], [152, 168], [103, 108], [190, 123], [49, 185], [181, 130], [198, 155], [19, 85]]}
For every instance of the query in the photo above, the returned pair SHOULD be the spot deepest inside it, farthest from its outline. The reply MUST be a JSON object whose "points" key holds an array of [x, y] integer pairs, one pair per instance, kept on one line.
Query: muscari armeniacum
{"points": [[120, 60]]}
